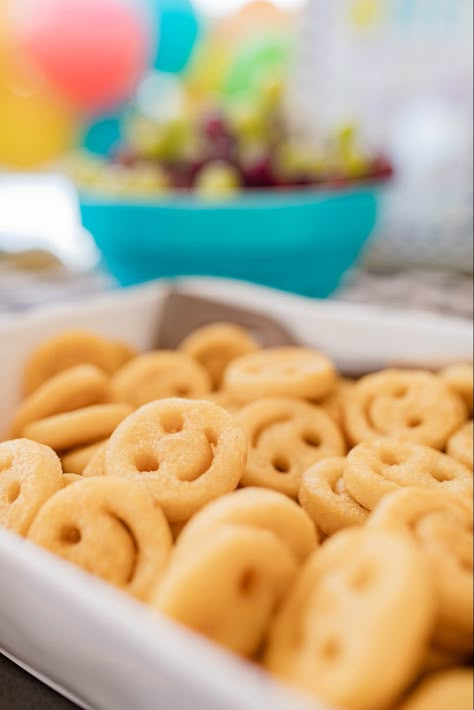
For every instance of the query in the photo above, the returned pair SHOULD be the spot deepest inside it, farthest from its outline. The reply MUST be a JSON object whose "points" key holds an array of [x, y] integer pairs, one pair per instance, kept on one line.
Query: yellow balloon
{"points": [[35, 128], [366, 13], [208, 70]]}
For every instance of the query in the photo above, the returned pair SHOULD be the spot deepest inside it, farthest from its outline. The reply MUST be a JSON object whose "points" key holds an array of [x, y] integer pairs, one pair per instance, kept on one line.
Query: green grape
{"points": [[83, 168], [140, 180], [112, 180], [144, 180], [170, 141], [248, 122], [179, 138], [272, 91], [345, 136], [347, 156], [143, 135], [355, 166], [217, 179], [293, 159]]}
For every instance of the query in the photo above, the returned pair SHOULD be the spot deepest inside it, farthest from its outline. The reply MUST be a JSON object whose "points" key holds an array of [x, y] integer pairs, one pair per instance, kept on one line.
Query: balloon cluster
{"points": [[64, 63]]}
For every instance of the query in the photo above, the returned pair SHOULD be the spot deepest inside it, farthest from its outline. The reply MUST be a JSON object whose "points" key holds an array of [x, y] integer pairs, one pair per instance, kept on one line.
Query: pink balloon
{"points": [[92, 51]]}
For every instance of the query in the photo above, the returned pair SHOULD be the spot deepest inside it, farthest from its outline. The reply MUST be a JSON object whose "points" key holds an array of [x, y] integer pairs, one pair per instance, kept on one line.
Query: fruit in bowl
{"points": [[225, 148], [227, 188]]}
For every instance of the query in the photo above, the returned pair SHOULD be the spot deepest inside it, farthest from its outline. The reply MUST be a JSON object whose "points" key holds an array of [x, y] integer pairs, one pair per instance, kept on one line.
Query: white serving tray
{"points": [[96, 644]]}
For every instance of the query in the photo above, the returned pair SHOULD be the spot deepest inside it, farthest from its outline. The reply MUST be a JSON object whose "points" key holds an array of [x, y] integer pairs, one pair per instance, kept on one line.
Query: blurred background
{"points": [[322, 146]]}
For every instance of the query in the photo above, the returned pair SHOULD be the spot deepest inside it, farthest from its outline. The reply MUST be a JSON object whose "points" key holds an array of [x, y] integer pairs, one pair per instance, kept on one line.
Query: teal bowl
{"points": [[301, 241]]}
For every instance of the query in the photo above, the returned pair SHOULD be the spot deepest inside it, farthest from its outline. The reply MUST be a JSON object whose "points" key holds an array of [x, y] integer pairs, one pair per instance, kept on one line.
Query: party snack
{"points": [[280, 372], [460, 378], [187, 453], [96, 465], [70, 478], [409, 404], [324, 496], [177, 529], [334, 404], [441, 524], [380, 466], [438, 659], [81, 427], [215, 346], [30, 473], [109, 527], [223, 399], [259, 508], [69, 349], [81, 386], [286, 437], [147, 502], [460, 445], [123, 353], [228, 587], [158, 375], [450, 690], [77, 460], [362, 604]]}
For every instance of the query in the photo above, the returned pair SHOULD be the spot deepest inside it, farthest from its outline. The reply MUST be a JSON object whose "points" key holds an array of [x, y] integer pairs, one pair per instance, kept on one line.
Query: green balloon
{"points": [[259, 60]]}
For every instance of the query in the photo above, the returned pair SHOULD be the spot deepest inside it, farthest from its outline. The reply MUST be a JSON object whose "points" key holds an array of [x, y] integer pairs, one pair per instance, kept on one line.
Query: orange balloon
{"points": [[5, 34], [5, 24], [252, 19], [261, 11]]}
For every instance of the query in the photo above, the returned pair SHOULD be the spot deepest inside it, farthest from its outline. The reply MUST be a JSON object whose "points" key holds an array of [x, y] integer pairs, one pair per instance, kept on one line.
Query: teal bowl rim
{"points": [[246, 199]]}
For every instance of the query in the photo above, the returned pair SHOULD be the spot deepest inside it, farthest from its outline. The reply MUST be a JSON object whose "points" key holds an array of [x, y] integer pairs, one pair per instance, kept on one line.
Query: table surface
{"points": [[20, 691], [20, 289], [438, 291]]}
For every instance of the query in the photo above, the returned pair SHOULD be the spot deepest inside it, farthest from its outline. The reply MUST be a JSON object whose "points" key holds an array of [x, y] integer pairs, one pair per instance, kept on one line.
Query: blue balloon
{"points": [[174, 28], [100, 137], [178, 30]]}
